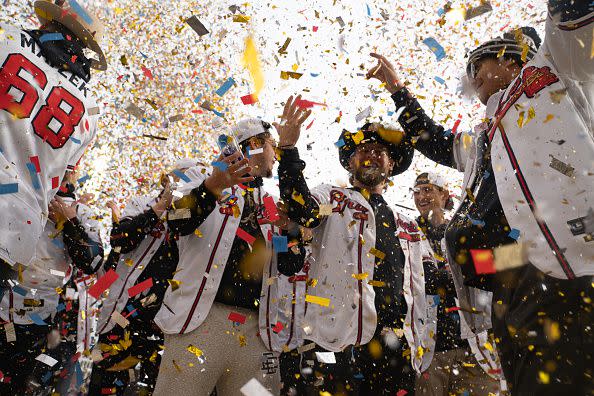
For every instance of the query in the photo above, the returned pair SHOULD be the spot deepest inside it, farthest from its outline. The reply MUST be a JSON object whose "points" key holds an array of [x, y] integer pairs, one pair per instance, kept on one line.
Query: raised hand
{"points": [[115, 211], [60, 210], [164, 201], [235, 173], [385, 73], [293, 117]]}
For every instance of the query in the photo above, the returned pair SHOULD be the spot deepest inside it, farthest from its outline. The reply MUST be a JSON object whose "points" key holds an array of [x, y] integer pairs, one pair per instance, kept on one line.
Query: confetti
{"points": [[103, 283], [271, 210], [326, 357], [237, 317], [242, 234], [435, 47], [250, 60], [325, 302], [562, 167], [43, 358], [197, 26], [279, 242], [483, 261], [254, 388], [140, 287], [474, 12], [119, 319], [9, 188], [225, 87]]}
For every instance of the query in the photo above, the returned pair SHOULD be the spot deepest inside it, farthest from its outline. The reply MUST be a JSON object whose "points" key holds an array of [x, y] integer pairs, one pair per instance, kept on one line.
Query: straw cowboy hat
{"points": [[79, 21]]}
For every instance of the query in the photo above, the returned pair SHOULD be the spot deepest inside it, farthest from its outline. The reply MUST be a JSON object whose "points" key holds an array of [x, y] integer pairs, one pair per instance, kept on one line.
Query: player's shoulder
{"points": [[12, 36]]}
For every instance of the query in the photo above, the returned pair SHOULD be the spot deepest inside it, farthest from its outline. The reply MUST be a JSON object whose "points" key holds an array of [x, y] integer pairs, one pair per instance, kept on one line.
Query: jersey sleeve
{"points": [[568, 37]]}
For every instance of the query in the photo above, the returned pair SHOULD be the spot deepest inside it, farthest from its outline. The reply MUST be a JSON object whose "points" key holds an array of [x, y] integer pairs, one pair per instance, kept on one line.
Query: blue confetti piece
{"points": [[368, 10], [131, 308], [182, 176], [435, 47], [37, 319], [358, 376], [34, 175], [83, 179], [60, 307], [314, 74], [486, 175], [75, 140], [476, 222], [222, 115], [514, 234], [51, 37], [225, 87], [221, 165], [280, 243], [198, 98], [440, 12], [9, 188], [81, 12], [118, 383], [390, 113], [439, 80], [143, 55], [19, 290], [46, 377], [58, 242], [340, 143], [436, 301], [79, 374], [447, 132]]}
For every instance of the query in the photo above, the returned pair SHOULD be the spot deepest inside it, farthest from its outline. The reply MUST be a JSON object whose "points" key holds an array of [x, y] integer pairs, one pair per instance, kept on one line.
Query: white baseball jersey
{"points": [[50, 269], [46, 122], [343, 264], [202, 261], [131, 265]]}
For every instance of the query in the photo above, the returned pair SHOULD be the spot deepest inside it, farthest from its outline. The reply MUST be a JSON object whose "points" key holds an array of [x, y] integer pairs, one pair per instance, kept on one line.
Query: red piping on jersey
{"points": [[292, 314], [544, 228], [268, 301], [126, 281], [360, 285], [412, 292], [208, 267]]}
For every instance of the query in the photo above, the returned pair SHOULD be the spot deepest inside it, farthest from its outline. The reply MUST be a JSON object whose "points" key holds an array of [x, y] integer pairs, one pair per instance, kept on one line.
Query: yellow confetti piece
{"points": [[285, 75], [174, 284], [241, 18], [129, 262], [488, 346], [198, 233], [550, 117], [501, 52], [420, 351], [362, 276], [521, 119], [379, 254], [544, 377], [297, 197], [242, 341], [376, 283], [357, 137], [251, 61], [325, 302], [312, 282], [195, 350]]}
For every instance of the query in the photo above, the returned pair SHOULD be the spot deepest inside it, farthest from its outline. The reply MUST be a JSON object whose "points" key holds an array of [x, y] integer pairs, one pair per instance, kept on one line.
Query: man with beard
{"points": [[362, 251], [528, 180]]}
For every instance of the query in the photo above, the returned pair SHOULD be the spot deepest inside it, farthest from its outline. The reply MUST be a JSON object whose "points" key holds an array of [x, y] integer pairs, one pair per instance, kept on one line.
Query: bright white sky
{"points": [[332, 59]]}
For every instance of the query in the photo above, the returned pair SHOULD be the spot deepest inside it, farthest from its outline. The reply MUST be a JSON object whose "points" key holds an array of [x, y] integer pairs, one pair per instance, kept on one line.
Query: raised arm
{"points": [[302, 207], [568, 37], [432, 140]]}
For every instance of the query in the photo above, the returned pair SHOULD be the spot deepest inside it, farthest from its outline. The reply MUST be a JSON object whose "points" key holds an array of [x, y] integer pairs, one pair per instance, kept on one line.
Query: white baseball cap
{"points": [[431, 178], [250, 127]]}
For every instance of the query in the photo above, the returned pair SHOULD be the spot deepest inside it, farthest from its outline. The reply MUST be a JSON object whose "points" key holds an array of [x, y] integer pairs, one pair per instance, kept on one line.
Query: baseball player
{"points": [[457, 365], [144, 253], [47, 119], [363, 253], [224, 321], [526, 207], [70, 241]]}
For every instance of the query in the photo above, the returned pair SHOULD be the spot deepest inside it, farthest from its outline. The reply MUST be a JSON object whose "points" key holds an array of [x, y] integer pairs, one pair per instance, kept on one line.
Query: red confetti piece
{"points": [[103, 283], [108, 391], [140, 287], [494, 371], [277, 327], [484, 262], [236, 317], [456, 125], [249, 99], [452, 309], [401, 392], [307, 104], [55, 182], [245, 236], [406, 236], [315, 28], [310, 124], [147, 73], [271, 210], [35, 161]]}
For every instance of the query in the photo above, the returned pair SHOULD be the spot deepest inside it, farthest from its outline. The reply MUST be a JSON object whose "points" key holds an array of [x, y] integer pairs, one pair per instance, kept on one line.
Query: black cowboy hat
{"points": [[399, 147]]}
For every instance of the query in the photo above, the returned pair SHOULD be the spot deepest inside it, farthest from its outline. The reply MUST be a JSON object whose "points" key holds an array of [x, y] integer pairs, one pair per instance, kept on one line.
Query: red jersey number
{"points": [[56, 120]]}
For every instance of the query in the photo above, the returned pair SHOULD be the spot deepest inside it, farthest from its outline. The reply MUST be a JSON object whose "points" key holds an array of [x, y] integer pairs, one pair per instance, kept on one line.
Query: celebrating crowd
{"points": [[215, 283]]}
